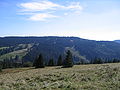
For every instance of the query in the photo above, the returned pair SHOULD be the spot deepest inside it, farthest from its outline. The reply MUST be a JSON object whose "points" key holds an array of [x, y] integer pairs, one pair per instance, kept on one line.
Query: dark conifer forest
{"points": [[25, 51]]}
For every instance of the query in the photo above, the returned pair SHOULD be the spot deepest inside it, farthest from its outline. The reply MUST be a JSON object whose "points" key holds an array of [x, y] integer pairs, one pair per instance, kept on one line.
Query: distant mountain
{"points": [[118, 41], [28, 48]]}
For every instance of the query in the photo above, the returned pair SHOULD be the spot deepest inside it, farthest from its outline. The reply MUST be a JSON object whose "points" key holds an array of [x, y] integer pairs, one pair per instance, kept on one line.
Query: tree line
{"points": [[40, 62], [67, 62]]}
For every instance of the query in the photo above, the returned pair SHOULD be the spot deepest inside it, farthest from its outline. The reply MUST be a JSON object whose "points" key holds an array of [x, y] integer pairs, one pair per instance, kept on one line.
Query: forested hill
{"points": [[27, 48]]}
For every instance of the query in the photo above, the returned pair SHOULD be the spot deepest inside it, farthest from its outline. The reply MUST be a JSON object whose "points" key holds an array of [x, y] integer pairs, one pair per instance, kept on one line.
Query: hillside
{"points": [[118, 41], [80, 77], [51, 47]]}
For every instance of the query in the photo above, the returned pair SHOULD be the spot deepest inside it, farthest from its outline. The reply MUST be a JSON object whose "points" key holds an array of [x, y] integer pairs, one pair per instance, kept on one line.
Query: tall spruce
{"points": [[68, 62], [59, 62], [115, 60], [98, 61], [51, 62], [0, 66], [39, 62]]}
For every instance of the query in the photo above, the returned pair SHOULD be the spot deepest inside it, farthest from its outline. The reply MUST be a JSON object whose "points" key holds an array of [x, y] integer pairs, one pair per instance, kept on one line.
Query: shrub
{"points": [[0, 68], [28, 64]]}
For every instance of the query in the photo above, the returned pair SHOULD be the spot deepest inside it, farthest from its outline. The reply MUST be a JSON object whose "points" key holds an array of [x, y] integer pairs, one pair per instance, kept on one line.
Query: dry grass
{"points": [[80, 77], [14, 70]]}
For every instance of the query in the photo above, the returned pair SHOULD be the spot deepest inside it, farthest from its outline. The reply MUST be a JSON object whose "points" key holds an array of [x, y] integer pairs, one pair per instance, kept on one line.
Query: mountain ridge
{"points": [[118, 41], [53, 46]]}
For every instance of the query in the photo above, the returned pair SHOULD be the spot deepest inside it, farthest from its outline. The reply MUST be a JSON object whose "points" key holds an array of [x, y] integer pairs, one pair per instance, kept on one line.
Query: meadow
{"points": [[79, 77]]}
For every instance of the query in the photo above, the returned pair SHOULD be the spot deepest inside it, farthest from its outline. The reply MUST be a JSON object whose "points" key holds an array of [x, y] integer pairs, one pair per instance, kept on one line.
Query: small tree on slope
{"points": [[59, 62], [68, 62], [39, 62], [51, 62]]}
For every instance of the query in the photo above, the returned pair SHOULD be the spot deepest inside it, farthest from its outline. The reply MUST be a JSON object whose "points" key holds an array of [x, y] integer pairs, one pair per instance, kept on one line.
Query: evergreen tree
{"points": [[115, 60], [59, 62], [39, 62], [16, 57], [0, 66], [51, 62], [11, 62], [4, 64], [98, 61], [68, 62]]}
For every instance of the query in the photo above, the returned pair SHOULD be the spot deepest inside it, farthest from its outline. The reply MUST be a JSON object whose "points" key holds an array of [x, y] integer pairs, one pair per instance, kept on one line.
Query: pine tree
{"points": [[68, 62], [39, 62], [51, 62], [115, 60], [0, 66], [16, 57], [98, 61], [4, 64], [59, 62]]}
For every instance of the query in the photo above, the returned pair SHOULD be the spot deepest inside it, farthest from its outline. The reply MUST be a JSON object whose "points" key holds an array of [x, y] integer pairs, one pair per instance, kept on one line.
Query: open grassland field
{"points": [[80, 77]]}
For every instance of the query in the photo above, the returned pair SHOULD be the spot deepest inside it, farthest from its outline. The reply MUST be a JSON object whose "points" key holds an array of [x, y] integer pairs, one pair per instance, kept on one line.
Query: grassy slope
{"points": [[82, 77], [3, 48], [20, 53]]}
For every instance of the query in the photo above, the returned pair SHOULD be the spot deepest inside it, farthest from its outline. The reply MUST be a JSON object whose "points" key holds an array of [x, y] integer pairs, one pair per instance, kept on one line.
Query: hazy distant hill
{"points": [[118, 41], [51, 47]]}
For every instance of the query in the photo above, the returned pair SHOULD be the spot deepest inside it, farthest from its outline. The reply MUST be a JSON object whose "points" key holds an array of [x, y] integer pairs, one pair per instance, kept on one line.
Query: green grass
{"points": [[20, 53], [3, 48], [80, 77]]}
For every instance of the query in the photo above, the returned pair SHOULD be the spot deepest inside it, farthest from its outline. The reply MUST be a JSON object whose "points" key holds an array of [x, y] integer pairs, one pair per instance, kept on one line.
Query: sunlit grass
{"points": [[80, 77]]}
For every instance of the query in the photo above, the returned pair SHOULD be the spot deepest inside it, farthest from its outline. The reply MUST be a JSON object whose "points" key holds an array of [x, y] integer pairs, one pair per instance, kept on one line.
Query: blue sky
{"points": [[89, 19]]}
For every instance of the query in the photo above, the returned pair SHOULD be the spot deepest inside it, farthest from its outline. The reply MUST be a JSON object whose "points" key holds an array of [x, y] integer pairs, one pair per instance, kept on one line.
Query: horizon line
{"points": [[7, 36]]}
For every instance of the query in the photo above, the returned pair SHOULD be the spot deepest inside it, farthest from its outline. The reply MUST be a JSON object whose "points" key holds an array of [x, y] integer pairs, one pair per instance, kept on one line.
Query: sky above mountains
{"points": [[89, 19]]}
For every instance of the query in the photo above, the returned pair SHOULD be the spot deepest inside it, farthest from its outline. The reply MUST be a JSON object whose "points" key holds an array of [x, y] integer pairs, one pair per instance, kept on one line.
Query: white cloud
{"points": [[66, 14], [38, 6], [44, 7], [74, 6], [41, 17]]}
